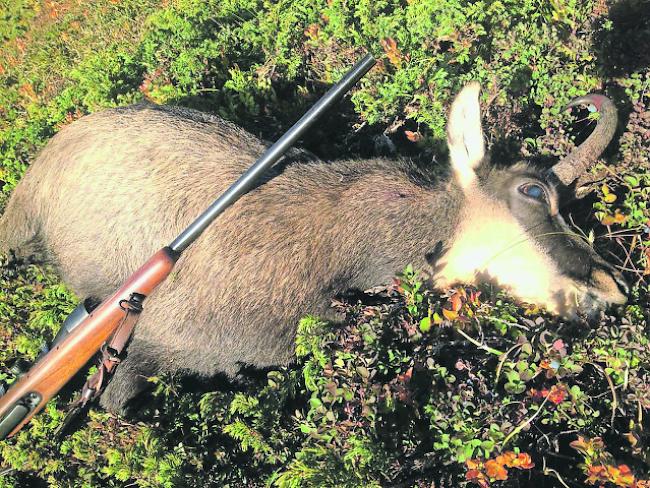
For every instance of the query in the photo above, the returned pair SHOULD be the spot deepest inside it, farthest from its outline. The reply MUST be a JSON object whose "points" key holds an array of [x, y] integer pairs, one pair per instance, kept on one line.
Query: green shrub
{"points": [[422, 388]]}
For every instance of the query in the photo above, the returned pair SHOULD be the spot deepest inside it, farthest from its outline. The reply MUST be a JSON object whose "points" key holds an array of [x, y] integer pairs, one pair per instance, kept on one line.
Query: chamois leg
{"points": [[130, 378]]}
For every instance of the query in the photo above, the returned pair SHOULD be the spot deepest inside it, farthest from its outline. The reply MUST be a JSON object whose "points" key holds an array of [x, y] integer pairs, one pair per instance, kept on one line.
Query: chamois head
{"points": [[511, 231]]}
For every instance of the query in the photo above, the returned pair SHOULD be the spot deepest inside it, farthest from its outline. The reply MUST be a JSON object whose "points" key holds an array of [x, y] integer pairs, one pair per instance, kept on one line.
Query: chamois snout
{"points": [[608, 287]]}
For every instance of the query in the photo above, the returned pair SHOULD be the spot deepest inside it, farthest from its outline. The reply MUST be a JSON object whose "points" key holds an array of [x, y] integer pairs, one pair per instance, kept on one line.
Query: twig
{"points": [[630, 270], [361, 126], [522, 425], [483, 347], [614, 255], [621, 233], [510, 324], [612, 389], [546, 438], [628, 253], [546, 471], [614, 173], [578, 230], [634, 270], [567, 432], [502, 361]]}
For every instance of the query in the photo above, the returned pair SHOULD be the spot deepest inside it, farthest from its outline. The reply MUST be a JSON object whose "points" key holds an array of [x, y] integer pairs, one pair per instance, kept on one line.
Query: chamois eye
{"points": [[533, 191]]}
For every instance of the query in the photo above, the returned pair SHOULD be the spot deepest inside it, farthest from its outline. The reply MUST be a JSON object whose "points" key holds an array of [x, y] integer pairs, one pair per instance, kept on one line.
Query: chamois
{"points": [[109, 189]]}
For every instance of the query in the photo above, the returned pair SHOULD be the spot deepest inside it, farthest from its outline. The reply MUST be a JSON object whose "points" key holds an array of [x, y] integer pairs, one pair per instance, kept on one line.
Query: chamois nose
{"points": [[611, 283], [621, 282]]}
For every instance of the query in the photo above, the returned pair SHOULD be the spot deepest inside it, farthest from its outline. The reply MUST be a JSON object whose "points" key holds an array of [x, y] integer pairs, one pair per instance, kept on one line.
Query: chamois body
{"points": [[112, 188]]}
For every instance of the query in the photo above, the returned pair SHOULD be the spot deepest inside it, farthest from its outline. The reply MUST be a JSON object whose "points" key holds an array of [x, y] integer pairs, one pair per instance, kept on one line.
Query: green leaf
{"points": [[425, 324]]}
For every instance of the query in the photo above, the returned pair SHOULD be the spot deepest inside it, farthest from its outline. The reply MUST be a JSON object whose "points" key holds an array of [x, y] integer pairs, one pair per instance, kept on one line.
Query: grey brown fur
{"points": [[112, 188]]}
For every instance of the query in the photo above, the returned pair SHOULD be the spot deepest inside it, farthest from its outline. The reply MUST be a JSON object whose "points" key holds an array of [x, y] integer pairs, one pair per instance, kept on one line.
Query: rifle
{"points": [[107, 327]]}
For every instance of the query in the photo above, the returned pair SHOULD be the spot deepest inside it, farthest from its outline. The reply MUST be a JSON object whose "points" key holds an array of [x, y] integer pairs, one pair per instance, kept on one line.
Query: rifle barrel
{"points": [[271, 156]]}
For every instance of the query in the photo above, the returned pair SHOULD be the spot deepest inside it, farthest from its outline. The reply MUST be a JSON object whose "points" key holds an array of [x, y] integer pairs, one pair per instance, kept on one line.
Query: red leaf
{"points": [[392, 52], [496, 470], [412, 136]]}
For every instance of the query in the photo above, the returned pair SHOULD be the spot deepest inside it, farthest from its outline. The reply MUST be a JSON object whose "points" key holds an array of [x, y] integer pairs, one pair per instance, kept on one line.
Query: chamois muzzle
{"points": [[575, 165]]}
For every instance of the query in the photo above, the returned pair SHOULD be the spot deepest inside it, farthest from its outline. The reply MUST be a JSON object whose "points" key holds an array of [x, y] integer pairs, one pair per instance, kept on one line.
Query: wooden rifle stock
{"points": [[33, 390]]}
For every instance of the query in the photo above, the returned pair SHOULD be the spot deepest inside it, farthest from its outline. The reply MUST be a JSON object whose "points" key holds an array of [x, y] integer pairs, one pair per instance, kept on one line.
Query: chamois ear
{"points": [[464, 134]]}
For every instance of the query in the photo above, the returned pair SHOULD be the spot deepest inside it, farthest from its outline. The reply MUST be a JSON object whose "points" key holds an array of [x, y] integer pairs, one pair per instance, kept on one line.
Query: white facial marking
{"points": [[491, 246]]}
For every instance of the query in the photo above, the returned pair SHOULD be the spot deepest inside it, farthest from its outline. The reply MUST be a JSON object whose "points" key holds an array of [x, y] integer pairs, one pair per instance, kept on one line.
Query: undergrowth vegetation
{"points": [[416, 387]]}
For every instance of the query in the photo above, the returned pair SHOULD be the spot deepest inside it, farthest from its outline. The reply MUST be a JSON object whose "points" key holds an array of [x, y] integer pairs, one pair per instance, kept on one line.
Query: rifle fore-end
{"points": [[59, 365]]}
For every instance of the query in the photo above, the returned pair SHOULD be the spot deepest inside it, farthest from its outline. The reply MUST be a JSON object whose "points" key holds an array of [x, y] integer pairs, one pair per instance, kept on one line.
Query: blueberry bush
{"points": [[416, 387]]}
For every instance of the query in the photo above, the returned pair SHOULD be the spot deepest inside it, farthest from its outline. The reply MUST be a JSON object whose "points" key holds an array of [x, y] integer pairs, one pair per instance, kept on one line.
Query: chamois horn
{"points": [[575, 164]]}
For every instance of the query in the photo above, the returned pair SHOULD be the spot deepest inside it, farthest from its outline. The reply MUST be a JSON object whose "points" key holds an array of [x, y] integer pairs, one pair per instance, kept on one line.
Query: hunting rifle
{"points": [[107, 327]]}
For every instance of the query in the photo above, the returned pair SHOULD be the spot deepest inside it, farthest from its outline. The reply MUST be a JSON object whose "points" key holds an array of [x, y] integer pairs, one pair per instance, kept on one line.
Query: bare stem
{"points": [[483, 347], [522, 425]]}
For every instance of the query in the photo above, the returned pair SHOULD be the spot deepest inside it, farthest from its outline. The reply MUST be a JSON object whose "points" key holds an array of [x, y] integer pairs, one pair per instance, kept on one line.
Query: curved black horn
{"points": [[568, 169]]}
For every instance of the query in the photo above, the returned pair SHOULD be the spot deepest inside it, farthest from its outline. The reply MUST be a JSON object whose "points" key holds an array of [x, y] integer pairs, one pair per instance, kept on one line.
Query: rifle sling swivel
{"points": [[111, 351]]}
